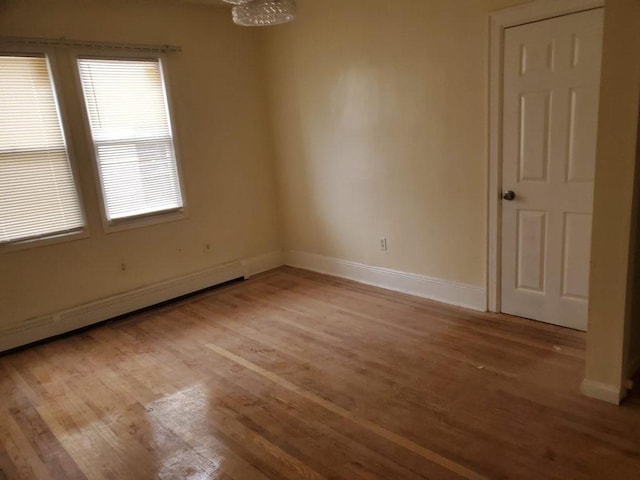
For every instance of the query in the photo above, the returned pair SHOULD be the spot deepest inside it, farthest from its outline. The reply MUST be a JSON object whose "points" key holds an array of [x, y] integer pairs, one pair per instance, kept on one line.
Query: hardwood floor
{"points": [[294, 375]]}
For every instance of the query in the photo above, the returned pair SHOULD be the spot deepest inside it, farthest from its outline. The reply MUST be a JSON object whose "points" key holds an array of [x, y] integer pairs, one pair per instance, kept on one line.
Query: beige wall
{"points": [[220, 115], [615, 169], [379, 116]]}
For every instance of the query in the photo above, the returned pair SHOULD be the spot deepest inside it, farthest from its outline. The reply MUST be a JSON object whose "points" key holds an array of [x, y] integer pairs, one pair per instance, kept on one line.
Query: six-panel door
{"points": [[551, 88]]}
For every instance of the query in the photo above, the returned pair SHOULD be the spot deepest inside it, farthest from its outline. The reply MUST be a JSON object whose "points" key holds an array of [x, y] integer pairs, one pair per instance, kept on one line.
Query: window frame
{"points": [[51, 54], [137, 221]]}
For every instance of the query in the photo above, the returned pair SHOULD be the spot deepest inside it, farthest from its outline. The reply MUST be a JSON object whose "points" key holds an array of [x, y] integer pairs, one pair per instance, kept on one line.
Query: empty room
{"points": [[320, 239]]}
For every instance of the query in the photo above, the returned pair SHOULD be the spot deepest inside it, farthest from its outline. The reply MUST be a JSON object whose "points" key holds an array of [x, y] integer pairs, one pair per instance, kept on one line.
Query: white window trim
{"points": [[51, 53], [153, 218]]}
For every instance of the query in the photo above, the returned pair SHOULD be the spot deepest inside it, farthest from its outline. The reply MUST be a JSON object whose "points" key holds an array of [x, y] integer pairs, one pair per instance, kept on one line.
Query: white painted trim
{"points": [[29, 331], [467, 296], [602, 391], [262, 263], [499, 21]]}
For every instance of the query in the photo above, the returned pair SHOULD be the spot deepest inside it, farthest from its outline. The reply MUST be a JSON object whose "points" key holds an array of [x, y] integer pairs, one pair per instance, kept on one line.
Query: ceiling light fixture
{"points": [[261, 13]]}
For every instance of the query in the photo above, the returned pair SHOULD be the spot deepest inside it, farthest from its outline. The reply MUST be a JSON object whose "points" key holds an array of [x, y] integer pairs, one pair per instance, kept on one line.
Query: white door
{"points": [[551, 89]]}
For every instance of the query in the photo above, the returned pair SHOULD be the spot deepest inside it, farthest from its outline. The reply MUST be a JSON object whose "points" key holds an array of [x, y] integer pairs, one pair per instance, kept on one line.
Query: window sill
{"points": [[144, 221], [43, 241]]}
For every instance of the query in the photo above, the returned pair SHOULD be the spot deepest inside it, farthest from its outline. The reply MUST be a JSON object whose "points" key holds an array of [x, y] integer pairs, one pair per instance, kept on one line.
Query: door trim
{"points": [[498, 22]]}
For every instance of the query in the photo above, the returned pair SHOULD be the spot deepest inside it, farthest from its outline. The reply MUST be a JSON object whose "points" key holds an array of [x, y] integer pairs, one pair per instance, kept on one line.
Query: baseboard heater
{"points": [[36, 329]]}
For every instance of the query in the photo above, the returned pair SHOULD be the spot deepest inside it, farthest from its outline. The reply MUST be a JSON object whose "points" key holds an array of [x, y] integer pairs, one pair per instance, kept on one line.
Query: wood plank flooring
{"points": [[295, 375]]}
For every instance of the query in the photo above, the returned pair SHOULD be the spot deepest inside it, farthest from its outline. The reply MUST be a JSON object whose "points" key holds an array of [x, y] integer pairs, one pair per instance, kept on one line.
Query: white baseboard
{"points": [[603, 391], [262, 263], [461, 295], [29, 331]]}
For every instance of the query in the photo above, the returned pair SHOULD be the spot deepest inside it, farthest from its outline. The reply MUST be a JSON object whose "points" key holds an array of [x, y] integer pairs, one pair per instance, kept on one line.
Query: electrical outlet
{"points": [[383, 244]]}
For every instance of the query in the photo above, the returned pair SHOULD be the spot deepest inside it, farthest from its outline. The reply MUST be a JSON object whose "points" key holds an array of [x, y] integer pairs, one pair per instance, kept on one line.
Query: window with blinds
{"points": [[128, 115], [38, 196]]}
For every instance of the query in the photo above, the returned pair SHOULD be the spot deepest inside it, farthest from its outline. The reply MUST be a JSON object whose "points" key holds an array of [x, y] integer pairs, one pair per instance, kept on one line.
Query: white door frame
{"points": [[499, 21]]}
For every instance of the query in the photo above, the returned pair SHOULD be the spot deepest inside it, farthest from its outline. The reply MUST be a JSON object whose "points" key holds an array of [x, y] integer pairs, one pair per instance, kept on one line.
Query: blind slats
{"points": [[38, 197], [128, 115]]}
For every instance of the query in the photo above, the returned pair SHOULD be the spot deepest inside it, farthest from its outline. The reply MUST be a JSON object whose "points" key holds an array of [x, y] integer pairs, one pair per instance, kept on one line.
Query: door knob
{"points": [[509, 195]]}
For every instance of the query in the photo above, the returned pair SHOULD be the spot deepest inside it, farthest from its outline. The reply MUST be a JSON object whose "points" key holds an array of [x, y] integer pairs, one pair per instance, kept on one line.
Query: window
{"points": [[128, 115], [38, 196]]}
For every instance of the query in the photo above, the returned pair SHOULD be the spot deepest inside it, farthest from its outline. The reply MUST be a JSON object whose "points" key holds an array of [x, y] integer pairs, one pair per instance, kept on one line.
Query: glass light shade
{"points": [[260, 13]]}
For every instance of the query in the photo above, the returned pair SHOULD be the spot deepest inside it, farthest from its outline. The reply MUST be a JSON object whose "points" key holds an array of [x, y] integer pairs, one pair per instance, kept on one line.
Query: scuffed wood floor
{"points": [[294, 375]]}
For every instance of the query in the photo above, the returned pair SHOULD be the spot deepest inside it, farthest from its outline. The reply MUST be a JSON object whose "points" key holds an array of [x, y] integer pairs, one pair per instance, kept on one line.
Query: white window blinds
{"points": [[128, 115], [38, 197]]}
